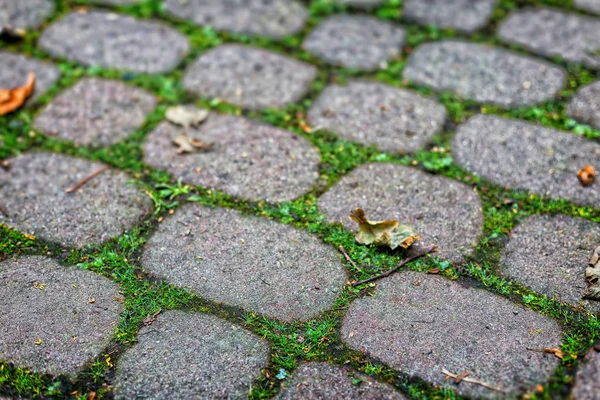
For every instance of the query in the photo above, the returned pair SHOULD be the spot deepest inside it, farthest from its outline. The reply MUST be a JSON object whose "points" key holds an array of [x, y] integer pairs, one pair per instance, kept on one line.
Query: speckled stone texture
{"points": [[549, 255], [116, 2], [588, 5], [420, 323], [25, 14], [525, 156], [585, 105], [462, 15], [33, 194], [359, 42], [320, 380], [587, 380], [104, 39], [442, 211], [249, 159], [371, 113], [15, 67], [270, 18], [484, 73], [249, 77], [249, 262], [96, 112], [185, 355], [70, 312], [551, 33]]}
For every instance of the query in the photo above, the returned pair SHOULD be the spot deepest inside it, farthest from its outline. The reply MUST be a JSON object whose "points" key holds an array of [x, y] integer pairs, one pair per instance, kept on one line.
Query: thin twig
{"points": [[471, 380], [343, 251], [428, 250], [87, 179], [4, 211]]}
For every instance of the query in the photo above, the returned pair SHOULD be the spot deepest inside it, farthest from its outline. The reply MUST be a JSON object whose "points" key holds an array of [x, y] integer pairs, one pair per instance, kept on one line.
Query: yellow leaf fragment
{"points": [[12, 99], [383, 233], [39, 341]]}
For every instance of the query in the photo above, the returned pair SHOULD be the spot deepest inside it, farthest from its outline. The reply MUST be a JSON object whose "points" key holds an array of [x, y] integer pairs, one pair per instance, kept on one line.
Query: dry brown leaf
{"points": [[383, 233], [586, 175], [12, 32], [12, 99], [592, 276], [550, 350], [190, 145], [434, 271], [186, 116]]}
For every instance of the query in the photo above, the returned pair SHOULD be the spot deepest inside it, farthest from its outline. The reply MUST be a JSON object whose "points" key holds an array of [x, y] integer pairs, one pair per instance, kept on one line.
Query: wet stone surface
{"points": [[110, 40], [359, 42], [96, 112], [452, 219], [549, 255], [272, 18], [249, 77], [249, 159], [15, 67], [484, 74], [371, 113], [33, 193], [288, 274], [462, 15], [522, 155], [588, 5], [585, 105], [24, 14], [587, 379], [434, 323], [320, 380], [185, 355], [549, 32], [54, 319]]}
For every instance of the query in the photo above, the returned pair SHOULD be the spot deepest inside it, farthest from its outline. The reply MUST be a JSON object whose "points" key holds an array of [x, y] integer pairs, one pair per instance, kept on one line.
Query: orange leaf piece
{"points": [[586, 175], [12, 99]]}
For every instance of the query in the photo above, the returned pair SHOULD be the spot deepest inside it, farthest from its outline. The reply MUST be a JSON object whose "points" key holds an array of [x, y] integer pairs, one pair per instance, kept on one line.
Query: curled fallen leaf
{"points": [[186, 144], [383, 233], [586, 175], [186, 116], [12, 99], [592, 276], [550, 350], [12, 32]]}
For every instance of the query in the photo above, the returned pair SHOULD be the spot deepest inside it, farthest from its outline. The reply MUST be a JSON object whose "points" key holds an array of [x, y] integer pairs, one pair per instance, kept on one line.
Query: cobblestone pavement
{"points": [[144, 256]]}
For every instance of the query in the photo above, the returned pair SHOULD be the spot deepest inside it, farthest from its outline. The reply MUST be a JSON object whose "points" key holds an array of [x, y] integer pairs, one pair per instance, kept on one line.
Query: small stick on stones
{"points": [[464, 378], [343, 251], [87, 179], [428, 250]]}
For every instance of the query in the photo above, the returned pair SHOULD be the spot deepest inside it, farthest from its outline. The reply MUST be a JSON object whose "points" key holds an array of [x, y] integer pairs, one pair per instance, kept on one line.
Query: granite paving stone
{"points": [[588, 5], [25, 14], [14, 69], [185, 355], [462, 15], [550, 254], [587, 379], [54, 319], [551, 33], [442, 211], [268, 18], [419, 324], [33, 192], [109, 40], [320, 380], [483, 73], [372, 113], [96, 112], [249, 262], [585, 105], [359, 42], [249, 159], [116, 2], [249, 77], [522, 155]]}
